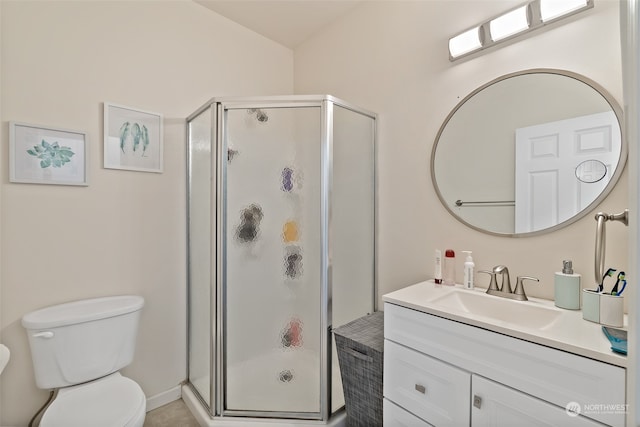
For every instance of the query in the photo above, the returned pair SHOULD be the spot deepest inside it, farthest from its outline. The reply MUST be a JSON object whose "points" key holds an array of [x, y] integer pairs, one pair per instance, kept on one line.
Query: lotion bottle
{"points": [[449, 267], [567, 287], [437, 274], [468, 271]]}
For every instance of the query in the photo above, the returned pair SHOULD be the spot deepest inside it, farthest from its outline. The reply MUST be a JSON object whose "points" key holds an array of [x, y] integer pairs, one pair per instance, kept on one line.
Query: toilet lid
{"points": [[111, 401]]}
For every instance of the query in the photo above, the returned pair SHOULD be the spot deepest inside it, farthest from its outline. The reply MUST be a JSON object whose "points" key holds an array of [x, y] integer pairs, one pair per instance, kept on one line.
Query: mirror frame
{"points": [[622, 160]]}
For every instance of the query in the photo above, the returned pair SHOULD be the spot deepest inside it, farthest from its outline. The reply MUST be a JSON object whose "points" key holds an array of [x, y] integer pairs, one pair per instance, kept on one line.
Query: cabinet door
{"points": [[432, 390], [395, 416], [495, 405]]}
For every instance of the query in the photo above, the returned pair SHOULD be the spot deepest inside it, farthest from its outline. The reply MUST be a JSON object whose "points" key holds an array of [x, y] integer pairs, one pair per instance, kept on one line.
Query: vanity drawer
{"points": [[395, 416], [426, 387], [549, 374]]}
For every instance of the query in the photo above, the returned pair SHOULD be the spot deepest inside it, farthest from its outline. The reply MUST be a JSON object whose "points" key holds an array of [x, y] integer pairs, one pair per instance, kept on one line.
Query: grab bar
{"points": [[601, 234], [488, 202]]}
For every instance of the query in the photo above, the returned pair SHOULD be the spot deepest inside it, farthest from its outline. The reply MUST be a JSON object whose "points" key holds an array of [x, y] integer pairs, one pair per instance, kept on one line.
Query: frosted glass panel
{"points": [[272, 244], [200, 256], [352, 224]]}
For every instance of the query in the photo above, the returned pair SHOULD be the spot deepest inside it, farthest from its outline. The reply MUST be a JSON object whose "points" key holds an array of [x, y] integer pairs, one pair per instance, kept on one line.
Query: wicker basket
{"points": [[360, 346]]}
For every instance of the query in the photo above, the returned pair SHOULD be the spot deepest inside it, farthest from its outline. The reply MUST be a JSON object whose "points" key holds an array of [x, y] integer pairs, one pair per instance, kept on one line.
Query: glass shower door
{"points": [[352, 226], [272, 262], [200, 253]]}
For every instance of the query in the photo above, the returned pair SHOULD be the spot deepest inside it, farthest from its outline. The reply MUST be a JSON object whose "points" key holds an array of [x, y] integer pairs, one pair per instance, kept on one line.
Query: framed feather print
{"points": [[132, 139]]}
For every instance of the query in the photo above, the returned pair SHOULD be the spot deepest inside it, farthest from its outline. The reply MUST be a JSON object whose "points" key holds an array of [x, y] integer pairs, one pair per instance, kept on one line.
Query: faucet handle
{"points": [[493, 284], [520, 288]]}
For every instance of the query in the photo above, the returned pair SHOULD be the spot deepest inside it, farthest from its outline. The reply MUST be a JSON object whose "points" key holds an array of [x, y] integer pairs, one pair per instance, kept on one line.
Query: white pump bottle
{"points": [[468, 271]]}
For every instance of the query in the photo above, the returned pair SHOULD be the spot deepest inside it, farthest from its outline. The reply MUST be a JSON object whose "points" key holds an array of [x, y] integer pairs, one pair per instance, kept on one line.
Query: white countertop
{"points": [[570, 332]]}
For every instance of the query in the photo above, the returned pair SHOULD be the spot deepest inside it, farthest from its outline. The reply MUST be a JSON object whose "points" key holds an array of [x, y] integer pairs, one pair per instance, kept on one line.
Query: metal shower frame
{"points": [[218, 196]]}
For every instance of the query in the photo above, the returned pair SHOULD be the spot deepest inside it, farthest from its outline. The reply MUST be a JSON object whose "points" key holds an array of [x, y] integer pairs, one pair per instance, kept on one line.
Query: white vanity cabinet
{"points": [[442, 372]]}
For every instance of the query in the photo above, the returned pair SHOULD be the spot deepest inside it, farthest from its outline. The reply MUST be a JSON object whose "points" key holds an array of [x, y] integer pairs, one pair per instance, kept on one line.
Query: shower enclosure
{"points": [[281, 228]]}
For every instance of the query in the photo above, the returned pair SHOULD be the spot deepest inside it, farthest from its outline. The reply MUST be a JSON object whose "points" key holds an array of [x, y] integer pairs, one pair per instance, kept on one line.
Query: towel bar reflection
{"points": [[488, 203]]}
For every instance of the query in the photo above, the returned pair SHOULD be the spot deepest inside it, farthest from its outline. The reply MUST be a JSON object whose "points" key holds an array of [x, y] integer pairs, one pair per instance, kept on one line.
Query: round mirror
{"points": [[506, 159]]}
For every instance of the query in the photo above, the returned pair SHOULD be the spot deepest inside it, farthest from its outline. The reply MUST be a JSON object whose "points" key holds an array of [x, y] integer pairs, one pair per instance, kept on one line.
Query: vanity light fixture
{"points": [[552, 9], [510, 23], [513, 23], [464, 43]]}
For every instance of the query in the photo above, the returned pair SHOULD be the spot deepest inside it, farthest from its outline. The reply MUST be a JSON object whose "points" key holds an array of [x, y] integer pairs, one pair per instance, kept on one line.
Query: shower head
{"points": [[261, 116]]}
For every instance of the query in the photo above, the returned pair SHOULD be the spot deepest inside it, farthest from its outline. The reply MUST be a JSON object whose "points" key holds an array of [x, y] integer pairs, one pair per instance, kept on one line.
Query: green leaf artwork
{"points": [[137, 133], [51, 154]]}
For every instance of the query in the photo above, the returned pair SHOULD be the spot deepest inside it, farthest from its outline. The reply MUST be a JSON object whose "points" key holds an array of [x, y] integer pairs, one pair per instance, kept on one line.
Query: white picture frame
{"points": [[47, 155], [132, 139]]}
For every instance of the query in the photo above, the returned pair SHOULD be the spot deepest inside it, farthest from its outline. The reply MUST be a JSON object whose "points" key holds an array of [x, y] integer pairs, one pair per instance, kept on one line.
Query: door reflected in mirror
{"points": [[528, 153]]}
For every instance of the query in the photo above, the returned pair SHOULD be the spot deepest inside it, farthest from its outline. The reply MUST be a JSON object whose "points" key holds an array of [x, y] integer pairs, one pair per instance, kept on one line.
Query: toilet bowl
{"points": [[110, 401], [78, 349]]}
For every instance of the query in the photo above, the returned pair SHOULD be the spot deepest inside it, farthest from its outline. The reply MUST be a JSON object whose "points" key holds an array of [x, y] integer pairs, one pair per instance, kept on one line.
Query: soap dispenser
{"points": [[567, 287], [468, 271]]}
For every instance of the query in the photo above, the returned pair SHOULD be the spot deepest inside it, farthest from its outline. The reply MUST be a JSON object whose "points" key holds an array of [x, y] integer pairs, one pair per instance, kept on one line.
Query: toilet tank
{"points": [[83, 340]]}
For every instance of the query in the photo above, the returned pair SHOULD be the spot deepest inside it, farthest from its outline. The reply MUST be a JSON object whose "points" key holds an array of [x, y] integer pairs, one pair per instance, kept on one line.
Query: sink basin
{"points": [[523, 313]]}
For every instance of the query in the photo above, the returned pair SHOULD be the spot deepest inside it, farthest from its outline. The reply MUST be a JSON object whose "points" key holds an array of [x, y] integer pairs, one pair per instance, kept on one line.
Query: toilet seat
{"points": [[108, 402]]}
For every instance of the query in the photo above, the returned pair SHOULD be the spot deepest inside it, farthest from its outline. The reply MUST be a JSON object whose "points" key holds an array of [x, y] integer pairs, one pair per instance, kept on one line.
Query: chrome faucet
{"points": [[505, 290]]}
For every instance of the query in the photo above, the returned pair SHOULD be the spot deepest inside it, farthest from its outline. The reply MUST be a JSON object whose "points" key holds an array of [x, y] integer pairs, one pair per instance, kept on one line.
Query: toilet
{"points": [[78, 348]]}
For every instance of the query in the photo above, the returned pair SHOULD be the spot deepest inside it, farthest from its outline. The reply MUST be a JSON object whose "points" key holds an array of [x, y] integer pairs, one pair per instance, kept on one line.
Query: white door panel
{"points": [[547, 190]]}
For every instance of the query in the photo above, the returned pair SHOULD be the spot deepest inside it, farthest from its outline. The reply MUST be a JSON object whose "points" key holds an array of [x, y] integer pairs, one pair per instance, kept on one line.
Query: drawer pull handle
{"points": [[422, 389], [477, 401], [355, 353]]}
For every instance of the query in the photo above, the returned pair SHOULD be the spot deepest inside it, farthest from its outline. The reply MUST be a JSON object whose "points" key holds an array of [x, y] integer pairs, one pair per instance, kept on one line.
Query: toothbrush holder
{"points": [[605, 309]]}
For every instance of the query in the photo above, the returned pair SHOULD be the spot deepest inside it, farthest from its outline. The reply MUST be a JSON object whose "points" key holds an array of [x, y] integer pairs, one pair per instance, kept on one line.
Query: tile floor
{"points": [[174, 414]]}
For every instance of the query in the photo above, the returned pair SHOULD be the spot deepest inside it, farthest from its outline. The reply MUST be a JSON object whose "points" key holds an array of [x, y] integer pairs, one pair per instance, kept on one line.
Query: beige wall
{"points": [[125, 232], [391, 58]]}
